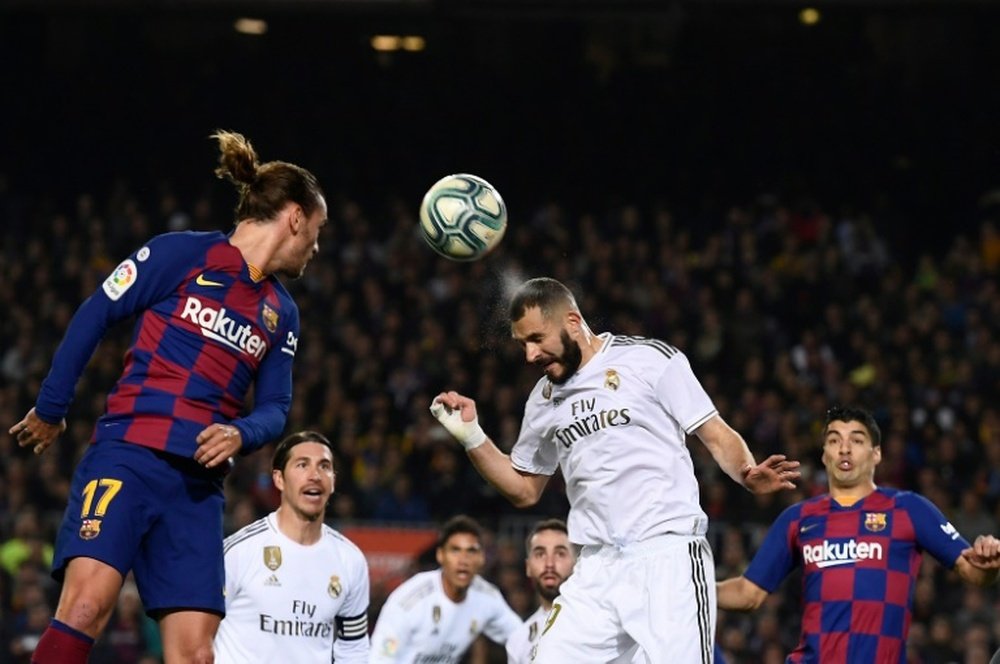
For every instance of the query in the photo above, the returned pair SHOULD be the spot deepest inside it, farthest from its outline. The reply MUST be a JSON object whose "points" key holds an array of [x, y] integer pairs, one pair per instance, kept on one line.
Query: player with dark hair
{"points": [[435, 616], [212, 320], [860, 548], [614, 413], [296, 589], [549, 559]]}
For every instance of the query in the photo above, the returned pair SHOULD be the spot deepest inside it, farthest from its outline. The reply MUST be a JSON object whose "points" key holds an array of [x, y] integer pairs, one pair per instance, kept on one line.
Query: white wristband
{"points": [[469, 434], [474, 439]]}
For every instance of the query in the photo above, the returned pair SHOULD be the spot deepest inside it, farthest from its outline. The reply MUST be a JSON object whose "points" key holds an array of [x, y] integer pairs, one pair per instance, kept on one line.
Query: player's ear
{"points": [[296, 217], [439, 555], [877, 453], [278, 478], [572, 320]]}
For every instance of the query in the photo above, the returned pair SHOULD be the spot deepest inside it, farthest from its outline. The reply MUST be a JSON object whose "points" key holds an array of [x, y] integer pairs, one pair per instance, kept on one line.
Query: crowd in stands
{"points": [[784, 307]]}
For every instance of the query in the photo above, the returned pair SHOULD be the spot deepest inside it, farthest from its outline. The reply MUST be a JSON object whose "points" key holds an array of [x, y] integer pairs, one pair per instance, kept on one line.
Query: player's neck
{"points": [[454, 593], [256, 242], [298, 528], [590, 345], [847, 496]]}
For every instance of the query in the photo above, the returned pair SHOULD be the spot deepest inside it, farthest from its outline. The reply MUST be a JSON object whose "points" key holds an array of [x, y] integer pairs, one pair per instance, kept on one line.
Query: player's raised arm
{"points": [[457, 414], [734, 457]]}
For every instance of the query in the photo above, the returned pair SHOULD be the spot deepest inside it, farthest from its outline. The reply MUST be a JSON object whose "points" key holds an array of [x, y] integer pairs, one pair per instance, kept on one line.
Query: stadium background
{"points": [[806, 210]]}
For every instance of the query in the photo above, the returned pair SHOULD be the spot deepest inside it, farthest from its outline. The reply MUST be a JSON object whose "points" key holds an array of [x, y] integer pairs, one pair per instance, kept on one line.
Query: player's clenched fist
{"points": [[458, 415], [984, 553]]}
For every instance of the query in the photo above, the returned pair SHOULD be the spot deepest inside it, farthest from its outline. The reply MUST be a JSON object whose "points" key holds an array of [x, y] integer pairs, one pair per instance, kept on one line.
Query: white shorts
{"points": [[657, 595]]}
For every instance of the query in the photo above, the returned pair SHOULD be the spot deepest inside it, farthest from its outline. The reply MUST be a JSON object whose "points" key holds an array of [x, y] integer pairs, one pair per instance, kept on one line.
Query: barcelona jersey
{"points": [[859, 566], [206, 331]]}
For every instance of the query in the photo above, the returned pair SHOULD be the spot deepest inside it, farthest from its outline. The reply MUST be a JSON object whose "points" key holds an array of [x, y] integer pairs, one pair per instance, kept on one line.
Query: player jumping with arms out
{"points": [[613, 412], [212, 319], [296, 589], [860, 548], [435, 616]]}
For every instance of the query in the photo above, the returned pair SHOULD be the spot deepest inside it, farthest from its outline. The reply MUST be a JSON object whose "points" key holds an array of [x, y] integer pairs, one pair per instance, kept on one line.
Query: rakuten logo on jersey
{"points": [[830, 554], [215, 324]]}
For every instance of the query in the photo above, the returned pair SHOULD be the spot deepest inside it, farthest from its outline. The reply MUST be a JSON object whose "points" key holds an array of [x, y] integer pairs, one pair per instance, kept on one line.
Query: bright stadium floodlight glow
{"points": [[809, 16], [414, 43], [250, 26], [386, 42]]}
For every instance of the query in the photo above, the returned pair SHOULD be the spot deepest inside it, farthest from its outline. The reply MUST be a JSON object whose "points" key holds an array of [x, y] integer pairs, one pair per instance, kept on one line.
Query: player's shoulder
{"points": [[484, 588], [813, 506], [188, 240], [280, 291], [415, 590], [338, 540], [901, 498], [640, 352], [246, 535]]}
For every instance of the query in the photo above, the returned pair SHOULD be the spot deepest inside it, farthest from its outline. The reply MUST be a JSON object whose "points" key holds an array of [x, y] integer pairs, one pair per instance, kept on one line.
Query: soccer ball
{"points": [[463, 217]]}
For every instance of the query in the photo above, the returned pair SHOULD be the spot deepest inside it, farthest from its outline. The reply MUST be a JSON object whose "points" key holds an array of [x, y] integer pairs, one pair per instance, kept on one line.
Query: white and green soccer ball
{"points": [[463, 217]]}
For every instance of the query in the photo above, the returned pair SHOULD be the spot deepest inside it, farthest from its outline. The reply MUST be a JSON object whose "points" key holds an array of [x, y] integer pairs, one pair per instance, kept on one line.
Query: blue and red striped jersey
{"points": [[205, 332], [859, 567]]}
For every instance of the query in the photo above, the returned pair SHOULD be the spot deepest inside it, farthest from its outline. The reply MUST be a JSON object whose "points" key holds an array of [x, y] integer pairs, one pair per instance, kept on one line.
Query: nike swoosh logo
{"points": [[202, 281], [807, 527]]}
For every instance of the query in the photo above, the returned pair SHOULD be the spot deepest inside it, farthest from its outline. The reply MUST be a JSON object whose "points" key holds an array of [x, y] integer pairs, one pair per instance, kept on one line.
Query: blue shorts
{"points": [[157, 514]]}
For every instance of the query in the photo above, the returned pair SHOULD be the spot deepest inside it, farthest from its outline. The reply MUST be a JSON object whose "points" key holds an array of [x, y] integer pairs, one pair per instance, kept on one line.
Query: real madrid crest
{"points": [[90, 529], [612, 380], [875, 521], [272, 557], [533, 631], [436, 614], [547, 391], [334, 589], [472, 627]]}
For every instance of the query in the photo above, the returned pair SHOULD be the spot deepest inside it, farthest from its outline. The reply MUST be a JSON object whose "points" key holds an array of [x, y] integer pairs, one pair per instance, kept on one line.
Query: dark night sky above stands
{"points": [[883, 106]]}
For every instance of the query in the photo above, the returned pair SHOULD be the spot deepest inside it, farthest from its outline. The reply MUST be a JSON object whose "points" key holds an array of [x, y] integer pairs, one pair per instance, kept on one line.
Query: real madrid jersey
{"points": [[523, 640], [291, 603], [617, 429], [419, 624]]}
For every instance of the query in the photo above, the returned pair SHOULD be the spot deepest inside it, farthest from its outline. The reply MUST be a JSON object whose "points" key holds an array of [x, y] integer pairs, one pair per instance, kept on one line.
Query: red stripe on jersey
{"points": [[122, 400], [866, 617], [217, 364], [833, 648], [838, 584], [897, 586], [151, 329], [167, 376], [889, 649], [150, 431], [194, 411]]}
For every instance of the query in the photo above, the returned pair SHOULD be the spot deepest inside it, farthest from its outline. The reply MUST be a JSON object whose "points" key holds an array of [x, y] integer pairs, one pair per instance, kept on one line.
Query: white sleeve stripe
{"points": [[701, 421], [352, 628]]}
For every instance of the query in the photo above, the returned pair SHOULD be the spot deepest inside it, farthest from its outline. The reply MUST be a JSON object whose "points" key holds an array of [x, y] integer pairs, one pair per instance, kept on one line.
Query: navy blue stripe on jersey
{"points": [[255, 528], [701, 599], [662, 346], [351, 628]]}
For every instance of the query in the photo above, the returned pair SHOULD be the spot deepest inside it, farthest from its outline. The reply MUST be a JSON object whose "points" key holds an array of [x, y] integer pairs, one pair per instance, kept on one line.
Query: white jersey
{"points": [[419, 624], [291, 603], [618, 429], [524, 638]]}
